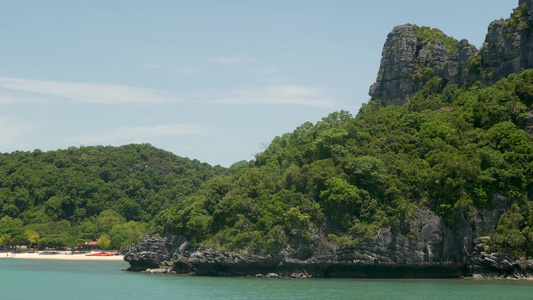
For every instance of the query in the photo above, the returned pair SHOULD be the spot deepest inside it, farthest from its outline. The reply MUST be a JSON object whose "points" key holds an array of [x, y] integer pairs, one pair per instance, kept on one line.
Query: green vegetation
{"points": [[62, 198], [433, 34], [450, 150], [427, 74], [338, 181], [516, 16], [475, 65]]}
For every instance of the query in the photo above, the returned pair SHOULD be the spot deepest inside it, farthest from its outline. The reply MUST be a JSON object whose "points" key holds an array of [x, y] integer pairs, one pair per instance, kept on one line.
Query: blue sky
{"points": [[209, 80]]}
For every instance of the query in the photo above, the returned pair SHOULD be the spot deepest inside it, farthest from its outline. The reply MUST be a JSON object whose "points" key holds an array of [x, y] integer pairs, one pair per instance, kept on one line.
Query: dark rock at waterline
{"points": [[499, 265], [435, 251], [423, 246]]}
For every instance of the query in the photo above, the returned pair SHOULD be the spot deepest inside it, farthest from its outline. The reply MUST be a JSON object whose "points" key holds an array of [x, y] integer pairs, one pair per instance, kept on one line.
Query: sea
{"points": [[57, 279]]}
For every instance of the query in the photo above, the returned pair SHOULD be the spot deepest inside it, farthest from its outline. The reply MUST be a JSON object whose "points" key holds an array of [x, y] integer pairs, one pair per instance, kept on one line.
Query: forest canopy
{"points": [[450, 150], [71, 196]]}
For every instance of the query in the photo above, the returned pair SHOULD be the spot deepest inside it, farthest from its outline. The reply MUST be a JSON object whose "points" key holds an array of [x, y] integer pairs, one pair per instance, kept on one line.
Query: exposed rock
{"points": [[272, 275], [430, 248], [498, 265], [424, 246], [301, 275], [407, 61], [528, 123], [508, 49], [157, 271], [157, 253]]}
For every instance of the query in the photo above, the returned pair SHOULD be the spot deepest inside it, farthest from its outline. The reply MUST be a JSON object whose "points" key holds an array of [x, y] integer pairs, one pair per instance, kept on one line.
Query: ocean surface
{"points": [[55, 279]]}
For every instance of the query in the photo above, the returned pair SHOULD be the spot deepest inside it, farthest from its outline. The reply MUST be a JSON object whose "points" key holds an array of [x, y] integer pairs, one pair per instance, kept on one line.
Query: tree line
{"points": [[452, 149], [109, 194]]}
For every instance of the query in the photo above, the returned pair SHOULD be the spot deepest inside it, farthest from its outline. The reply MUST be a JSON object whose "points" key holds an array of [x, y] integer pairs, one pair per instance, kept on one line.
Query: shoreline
{"points": [[59, 256]]}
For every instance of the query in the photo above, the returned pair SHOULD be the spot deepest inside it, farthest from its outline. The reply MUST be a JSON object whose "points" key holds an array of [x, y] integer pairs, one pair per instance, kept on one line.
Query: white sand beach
{"points": [[59, 256]]}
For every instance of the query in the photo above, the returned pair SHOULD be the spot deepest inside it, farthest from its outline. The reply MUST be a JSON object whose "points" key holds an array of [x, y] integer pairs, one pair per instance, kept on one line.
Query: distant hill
{"points": [[435, 170], [79, 194]]}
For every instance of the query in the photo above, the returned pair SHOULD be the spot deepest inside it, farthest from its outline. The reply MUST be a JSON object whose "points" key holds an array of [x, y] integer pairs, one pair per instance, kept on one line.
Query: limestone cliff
{"points": [[409, 59], [419, 244], [412, 55], [426, 247]]}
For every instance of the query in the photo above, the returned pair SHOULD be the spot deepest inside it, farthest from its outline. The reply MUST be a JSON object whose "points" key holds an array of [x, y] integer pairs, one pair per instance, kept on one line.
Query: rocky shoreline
{"points": [[174, 255], [424, 247], [500, 266]]}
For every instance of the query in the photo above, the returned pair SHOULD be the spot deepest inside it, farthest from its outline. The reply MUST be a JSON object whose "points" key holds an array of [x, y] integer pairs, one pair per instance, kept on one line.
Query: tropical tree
{"points": [[5, 241], [104, 242], [32, 237]]}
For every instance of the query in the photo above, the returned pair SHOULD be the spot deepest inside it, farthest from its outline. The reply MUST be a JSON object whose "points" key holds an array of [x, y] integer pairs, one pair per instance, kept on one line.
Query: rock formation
{"points": [[528, 123], [426, 248], [423, 246], [408, 60], [499, 265], [412, 55]]}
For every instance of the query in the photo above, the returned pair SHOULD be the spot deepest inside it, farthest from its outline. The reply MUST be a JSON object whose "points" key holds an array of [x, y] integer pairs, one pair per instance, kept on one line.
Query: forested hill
{"points": [[453, 149], [80, 194], [345, 179]]}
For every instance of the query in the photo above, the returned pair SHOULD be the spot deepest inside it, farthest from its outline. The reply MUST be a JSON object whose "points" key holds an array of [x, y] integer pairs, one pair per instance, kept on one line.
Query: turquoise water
{"points": [[48, 279]]}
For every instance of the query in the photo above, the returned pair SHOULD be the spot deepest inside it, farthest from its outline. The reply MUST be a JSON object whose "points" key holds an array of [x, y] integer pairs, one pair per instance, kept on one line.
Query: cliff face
{"points": [[435, 250], [508, 47], [419, 244], [409, 60], [412, 55]]}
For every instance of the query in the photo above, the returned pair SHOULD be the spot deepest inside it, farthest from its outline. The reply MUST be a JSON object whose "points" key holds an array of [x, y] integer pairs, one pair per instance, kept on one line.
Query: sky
{"points": [[212, 80]]}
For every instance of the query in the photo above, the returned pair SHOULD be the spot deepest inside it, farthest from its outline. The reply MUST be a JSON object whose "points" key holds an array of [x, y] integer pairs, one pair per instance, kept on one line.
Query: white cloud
{"points": [[152, 66], [280, 94], [181, 70], [30, 90], [267, 71], [233, 60], [290, 54], [186, 70], [13, 134], [139, 134], [10, 98], [83, 92]]}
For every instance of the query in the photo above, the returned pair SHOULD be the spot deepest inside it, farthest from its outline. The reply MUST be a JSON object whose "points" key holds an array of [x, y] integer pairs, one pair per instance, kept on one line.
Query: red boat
{"points": [[100, 254]]}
